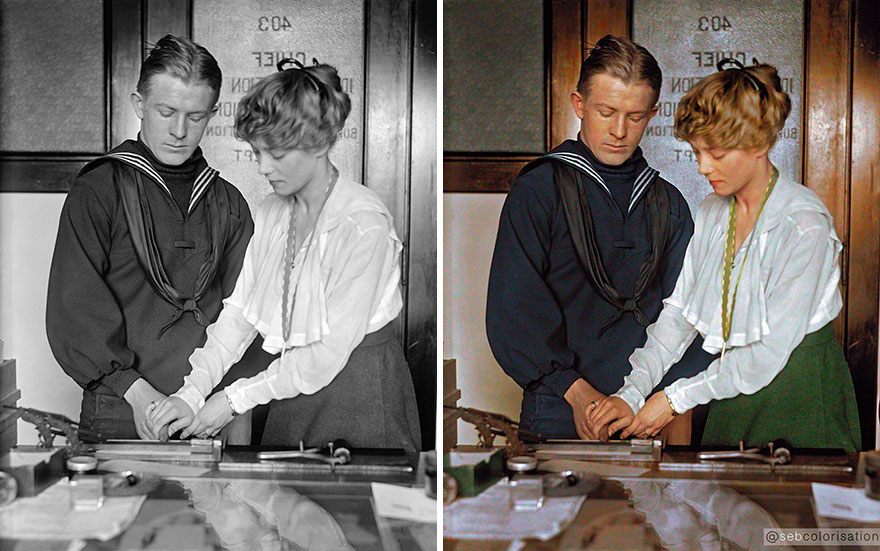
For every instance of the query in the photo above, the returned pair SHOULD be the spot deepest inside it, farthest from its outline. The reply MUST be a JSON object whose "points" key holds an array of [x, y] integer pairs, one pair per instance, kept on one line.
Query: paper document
{"points": [[846, 503], [405, 503], [489, 516], [49, 516], [457, 459]]}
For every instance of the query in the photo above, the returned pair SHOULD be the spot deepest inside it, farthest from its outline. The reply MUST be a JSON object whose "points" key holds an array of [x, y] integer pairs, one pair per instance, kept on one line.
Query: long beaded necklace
{"points": [[290, 259], [727, 266]]}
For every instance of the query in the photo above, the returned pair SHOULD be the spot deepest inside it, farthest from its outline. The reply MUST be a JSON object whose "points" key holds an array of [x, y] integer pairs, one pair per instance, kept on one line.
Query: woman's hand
{"points": [[654, 415], [213, 416], [171, 412], [612, 414]]}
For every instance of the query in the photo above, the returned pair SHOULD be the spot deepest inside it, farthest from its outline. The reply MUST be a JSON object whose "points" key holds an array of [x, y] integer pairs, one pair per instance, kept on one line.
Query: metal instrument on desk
{"points": [[195, 450], [777, 457], [777, 453], [489, 425], [335, 453], [80, 440], [589, 450], [49, 425], [336, 457]]}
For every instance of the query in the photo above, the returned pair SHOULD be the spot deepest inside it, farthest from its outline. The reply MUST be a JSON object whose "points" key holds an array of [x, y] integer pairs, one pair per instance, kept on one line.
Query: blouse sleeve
{"points": [[227, 339], [668, 339], [358, 273], [801, 272]]}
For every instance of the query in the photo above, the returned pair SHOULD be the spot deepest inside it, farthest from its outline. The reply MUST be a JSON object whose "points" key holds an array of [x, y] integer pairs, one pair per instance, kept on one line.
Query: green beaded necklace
{"points": [[727, 267]]}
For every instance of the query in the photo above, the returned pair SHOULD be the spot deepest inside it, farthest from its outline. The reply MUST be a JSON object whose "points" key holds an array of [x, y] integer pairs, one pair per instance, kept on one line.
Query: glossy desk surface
{"points": [[245, 504], [682, 503]]}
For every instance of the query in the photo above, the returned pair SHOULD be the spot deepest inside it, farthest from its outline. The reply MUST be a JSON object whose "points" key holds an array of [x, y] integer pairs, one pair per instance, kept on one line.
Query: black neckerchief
{"points": [[179, 178], [570, 172], [128, 177]]}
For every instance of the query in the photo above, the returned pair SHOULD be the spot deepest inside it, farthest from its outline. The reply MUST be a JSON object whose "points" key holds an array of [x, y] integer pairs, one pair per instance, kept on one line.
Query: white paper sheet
{"points": [[846, 503], [457, 459], [20, 458], [404, 503], [49, 516], [488, 516]]}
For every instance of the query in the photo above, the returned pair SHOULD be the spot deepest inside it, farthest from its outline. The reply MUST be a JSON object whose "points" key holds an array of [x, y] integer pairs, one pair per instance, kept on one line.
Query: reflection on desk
{"points": [[241, 503], [680, 503], [235, 515], [693, 514]]}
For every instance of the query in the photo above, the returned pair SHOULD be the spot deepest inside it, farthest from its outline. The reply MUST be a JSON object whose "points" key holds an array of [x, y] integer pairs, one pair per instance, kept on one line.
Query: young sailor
{"points": [[759, 283], [590, 241], [150, 241]]}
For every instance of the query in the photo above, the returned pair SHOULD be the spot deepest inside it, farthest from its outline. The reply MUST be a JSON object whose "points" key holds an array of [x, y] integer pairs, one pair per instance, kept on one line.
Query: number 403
{"points": [[714, 23], [273, 23]]}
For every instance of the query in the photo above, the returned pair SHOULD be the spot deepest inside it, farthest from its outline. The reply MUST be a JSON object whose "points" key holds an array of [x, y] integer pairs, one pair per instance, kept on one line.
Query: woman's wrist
{"points": [[671, 406], [229, 403]]}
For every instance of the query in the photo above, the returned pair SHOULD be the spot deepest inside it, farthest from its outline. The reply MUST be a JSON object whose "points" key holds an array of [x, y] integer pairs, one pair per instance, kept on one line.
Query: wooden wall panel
{"points": [[386, 129], [607, 17], [421, 318], [564, 69], [485, 174], [826, 124], [494, 173], [167, 17], [125, 62], [40, 174], [864, 230]]}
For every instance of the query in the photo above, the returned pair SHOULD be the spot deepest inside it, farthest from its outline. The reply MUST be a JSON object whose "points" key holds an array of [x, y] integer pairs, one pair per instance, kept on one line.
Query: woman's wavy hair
{"points": [[296, 108], [736, 108]]}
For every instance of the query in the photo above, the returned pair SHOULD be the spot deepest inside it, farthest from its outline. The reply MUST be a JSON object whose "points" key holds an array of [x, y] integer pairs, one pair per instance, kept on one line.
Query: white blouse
{"points": [[788, 289], [347, 285]]}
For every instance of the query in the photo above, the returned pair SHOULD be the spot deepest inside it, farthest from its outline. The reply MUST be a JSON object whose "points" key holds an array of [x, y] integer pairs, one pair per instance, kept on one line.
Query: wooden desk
{"points": [[239, 505], [677, 505]]}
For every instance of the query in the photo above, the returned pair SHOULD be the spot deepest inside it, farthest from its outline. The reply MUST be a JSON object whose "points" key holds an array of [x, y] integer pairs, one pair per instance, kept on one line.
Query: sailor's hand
{"points": [[139, 396], [611, 415], [170, 414], [654, 415], [213, 416], [582, 398]]}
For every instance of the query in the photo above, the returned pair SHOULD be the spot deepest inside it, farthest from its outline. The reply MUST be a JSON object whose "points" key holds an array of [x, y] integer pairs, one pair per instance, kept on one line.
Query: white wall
{"points": [[470, 223], [28, 224]]}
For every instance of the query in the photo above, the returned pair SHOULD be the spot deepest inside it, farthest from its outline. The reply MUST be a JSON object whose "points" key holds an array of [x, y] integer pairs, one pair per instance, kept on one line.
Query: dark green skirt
{"points": [[371, 403], [811, 403]]}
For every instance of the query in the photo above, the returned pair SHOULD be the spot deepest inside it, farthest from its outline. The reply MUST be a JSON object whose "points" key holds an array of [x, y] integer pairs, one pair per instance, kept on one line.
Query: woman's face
{"points": [[729, 171], [289, 171]]}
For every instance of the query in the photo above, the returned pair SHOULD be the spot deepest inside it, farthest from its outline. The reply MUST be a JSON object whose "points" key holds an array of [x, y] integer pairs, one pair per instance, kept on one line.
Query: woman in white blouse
{"points": [[320, 283], [759, 283]]}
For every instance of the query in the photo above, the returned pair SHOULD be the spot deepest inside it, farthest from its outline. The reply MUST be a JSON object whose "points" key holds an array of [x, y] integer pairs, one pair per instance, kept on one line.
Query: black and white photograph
{"points": [[218, 274], [409, 275]]}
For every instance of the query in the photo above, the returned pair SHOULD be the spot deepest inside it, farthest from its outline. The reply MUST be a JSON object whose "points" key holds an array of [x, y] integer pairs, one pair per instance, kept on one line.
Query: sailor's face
{"points": [[613, 116], [174, 115]]}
